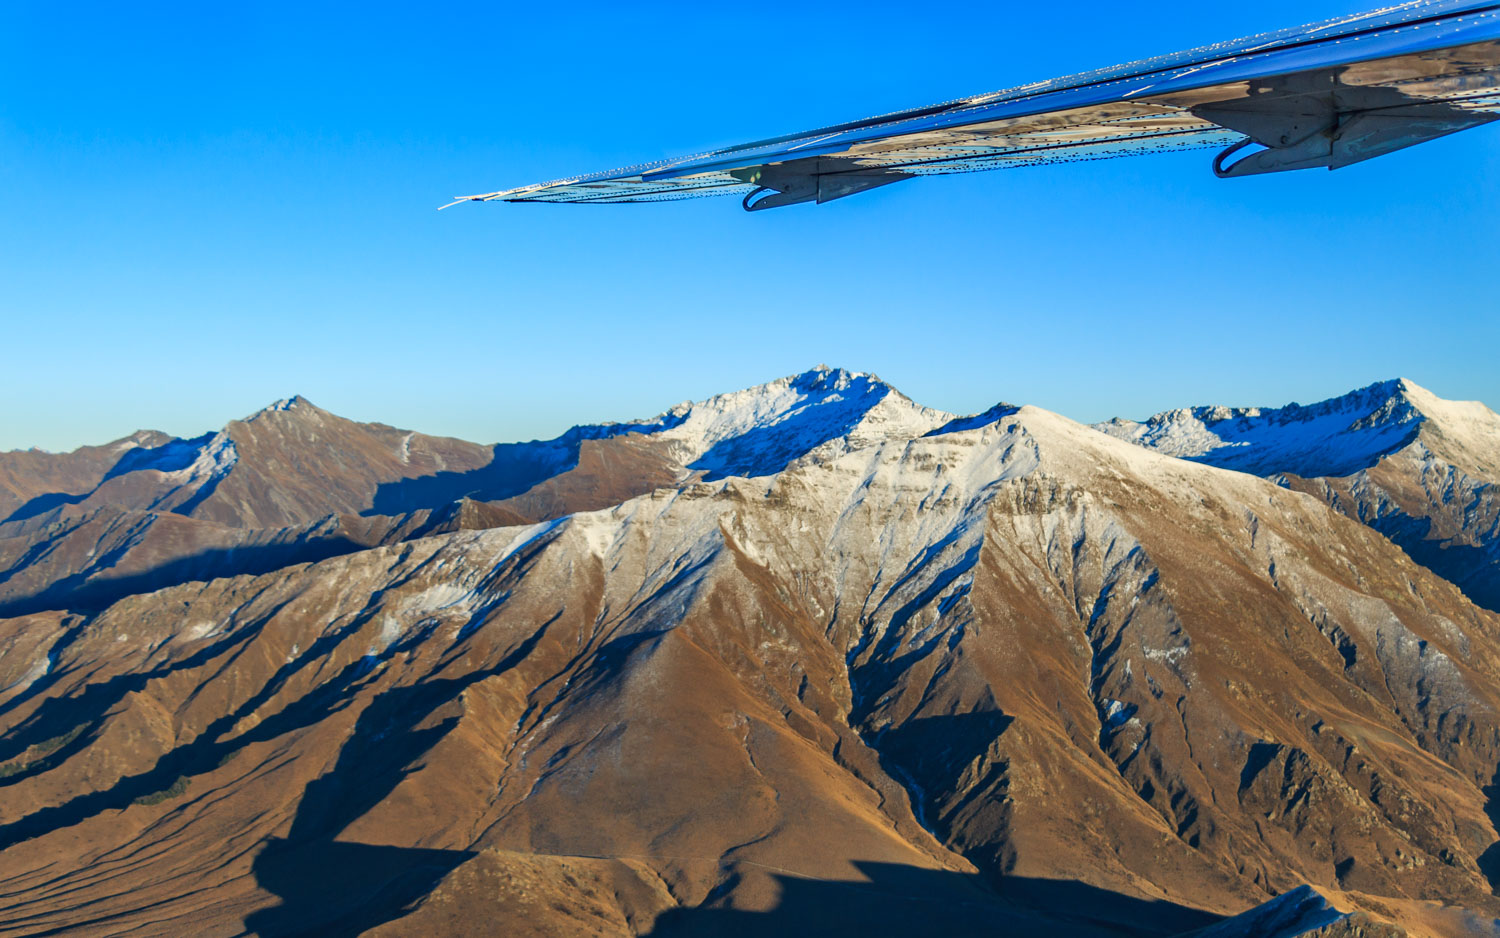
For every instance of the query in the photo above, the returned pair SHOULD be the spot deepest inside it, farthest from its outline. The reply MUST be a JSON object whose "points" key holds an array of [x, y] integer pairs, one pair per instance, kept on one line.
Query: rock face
{"points": [[1421, 470], [858, 668]]}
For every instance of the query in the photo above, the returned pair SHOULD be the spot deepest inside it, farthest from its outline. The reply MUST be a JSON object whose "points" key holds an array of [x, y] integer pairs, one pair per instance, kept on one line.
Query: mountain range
{"points": [[807, 658]]}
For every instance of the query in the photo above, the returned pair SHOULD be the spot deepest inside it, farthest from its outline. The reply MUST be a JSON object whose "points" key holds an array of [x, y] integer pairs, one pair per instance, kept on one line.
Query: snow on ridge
{"points": [[179, 459], [136, 440], [286, 404], [214, 459], [960, 424], [1467, 426], [213, 463], [1336, 437], [921, 503], [761, 430], [1302, 911], [170, 456]]}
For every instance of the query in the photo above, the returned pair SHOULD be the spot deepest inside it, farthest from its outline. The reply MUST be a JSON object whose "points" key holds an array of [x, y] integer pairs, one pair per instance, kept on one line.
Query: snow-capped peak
{"points": [[1336, 437], [1466, 433], [293, 403], [762, 429]]}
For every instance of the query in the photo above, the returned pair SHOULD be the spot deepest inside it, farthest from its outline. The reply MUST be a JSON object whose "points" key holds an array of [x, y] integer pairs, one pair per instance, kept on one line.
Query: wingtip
{"points": [[483, 197]]}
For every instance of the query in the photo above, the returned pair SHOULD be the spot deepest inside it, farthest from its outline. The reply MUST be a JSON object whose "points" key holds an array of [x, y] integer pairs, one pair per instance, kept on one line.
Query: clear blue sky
{"points": [[204, 207]]}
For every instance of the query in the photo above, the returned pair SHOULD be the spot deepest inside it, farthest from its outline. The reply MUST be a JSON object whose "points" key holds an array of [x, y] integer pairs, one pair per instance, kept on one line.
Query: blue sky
{"points": [[205, 207]]}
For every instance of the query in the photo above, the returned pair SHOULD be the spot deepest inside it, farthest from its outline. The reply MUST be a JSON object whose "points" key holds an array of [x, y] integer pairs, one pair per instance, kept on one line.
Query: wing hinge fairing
{"points": [[815, 179], [1331, 128]]}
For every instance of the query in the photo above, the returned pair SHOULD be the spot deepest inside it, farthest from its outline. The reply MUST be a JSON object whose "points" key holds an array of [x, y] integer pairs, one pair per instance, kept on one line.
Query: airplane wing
{"points": [[1327, 95]]}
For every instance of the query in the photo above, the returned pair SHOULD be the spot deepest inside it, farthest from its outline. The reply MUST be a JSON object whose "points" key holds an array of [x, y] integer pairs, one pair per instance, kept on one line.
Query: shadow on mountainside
{"points": [[41, 504], [394, 730], [1489, 860], [330, 887], [168, 457], [1474, 570], [515, 468], [923, 754], [326, 886], [913, 902], [81, 593]]}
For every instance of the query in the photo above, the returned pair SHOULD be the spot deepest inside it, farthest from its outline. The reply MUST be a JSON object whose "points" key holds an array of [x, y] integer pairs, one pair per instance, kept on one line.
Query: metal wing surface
{"points": [[1326, 95]]}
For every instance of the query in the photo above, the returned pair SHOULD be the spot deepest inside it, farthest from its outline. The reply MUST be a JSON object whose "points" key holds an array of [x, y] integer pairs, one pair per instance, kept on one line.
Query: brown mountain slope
{"points": [[292, 463], [87, 558], [1060, 683], [1444, 514], [44, 480], [1421, 470]]}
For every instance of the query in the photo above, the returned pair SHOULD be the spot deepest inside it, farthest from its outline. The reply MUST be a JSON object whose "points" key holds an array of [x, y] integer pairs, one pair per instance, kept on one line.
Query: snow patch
{"points": [[212, 461], [199, 630], [285, 404], [446, 595], [1117, 713], [527, 536], [599, 532], [40, 669]]}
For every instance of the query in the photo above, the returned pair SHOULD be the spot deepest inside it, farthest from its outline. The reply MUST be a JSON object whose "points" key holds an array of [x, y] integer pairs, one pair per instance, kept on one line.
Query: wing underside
{"points": [[1095, 133], [1328, 96]]}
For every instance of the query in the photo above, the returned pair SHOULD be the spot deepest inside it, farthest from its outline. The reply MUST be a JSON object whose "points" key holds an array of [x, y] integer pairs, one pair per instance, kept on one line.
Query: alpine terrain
{"points": [[807, 658], [1421, 470]]}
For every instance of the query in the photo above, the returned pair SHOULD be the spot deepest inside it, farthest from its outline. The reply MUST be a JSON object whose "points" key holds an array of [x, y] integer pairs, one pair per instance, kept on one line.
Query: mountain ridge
{"points": [[1423, 471], [280, 474], [1020, 666]]}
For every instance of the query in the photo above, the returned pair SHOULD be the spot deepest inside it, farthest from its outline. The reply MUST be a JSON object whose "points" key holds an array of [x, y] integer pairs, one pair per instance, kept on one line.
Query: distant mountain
{"points": [[288, 464], [1421, 470], [1335, 438], [34, 481], [757, 431], [829, 663], [294, 463], [284, 485]]}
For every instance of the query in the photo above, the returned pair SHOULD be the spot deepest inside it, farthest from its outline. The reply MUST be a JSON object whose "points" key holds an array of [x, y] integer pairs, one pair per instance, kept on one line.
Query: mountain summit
{"points": [[761, 430], [1336, 437]]}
